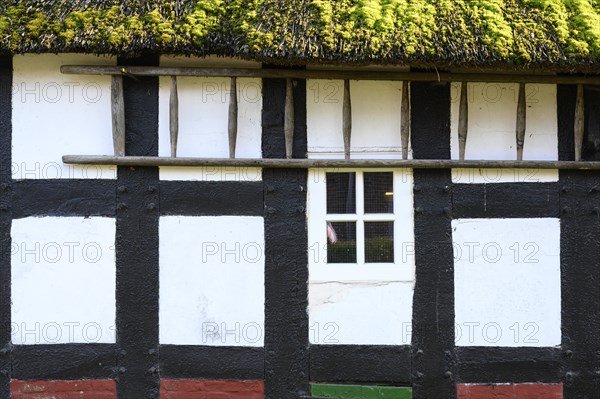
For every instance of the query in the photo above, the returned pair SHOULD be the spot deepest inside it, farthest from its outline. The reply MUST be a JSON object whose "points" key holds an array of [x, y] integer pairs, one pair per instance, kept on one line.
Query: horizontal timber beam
{"points": [[325, 163], [328, 74]]}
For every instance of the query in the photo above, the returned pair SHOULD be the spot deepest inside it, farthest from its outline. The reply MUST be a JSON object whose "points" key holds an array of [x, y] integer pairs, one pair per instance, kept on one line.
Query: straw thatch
{"points": [[555, 34]]}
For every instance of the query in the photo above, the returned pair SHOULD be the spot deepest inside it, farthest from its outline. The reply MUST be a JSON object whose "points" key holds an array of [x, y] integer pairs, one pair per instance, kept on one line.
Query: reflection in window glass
{"points": [[379, 242], [379, 192], [341, 242], [341, 192]]}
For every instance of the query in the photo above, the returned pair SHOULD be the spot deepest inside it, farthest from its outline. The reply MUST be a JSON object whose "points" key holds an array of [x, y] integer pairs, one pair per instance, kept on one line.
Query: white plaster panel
{"points": [[492, 123], [63, 280], [375, 118], [56, 114], [507, 282], [212, 280], [360, 314], [203, 120]]}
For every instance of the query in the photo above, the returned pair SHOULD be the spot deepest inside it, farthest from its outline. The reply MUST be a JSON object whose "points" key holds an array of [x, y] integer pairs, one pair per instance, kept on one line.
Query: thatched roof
{"points": [[555, 34]]}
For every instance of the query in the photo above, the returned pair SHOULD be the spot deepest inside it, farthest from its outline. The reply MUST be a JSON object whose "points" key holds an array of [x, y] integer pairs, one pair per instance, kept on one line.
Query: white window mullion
{"points": [[378, 217], [360, 213], [360, 194], [342, 218], [317, 213]]}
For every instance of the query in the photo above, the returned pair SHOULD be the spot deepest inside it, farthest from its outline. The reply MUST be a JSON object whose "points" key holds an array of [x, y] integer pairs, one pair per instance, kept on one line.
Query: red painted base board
{"points": [[106, 389], [88, 389], [211, 389], [510, 391]]}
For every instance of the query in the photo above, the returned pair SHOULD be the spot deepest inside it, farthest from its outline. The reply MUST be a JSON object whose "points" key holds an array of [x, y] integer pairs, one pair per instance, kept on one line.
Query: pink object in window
{"points": [[331, 234]]}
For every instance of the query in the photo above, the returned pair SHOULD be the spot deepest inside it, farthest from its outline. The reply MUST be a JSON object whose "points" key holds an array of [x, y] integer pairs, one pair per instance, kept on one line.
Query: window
{"points": [[361, 225]]}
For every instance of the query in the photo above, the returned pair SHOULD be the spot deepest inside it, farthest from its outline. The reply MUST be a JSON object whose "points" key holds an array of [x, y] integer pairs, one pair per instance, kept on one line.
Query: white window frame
{"points": [[403, 267]]}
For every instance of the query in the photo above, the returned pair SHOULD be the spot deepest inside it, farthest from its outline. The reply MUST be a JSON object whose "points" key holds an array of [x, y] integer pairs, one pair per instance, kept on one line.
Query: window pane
{"points": [[379, 242], [341, 242], [379, 192], [341, 192]]}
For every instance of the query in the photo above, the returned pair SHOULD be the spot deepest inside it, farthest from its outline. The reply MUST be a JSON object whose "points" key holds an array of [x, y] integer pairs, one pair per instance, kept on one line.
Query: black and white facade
{"points": [[141, 274]]}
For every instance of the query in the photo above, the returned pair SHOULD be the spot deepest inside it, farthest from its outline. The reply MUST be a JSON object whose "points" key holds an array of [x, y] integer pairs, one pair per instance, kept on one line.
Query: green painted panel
{"points": [[360, 391]]}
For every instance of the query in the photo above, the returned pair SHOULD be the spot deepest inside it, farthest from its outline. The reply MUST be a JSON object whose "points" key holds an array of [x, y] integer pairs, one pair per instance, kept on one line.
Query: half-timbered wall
{"points": [[135, 282]]}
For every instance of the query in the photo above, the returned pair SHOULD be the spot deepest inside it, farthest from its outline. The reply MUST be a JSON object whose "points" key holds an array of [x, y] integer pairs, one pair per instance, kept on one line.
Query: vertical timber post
{"points": [[174, 116], [463, 120], [579, 246], [288, 121], [137, 243], [232, 121], [347, 119], [405, 118], [118, 115], [521, 122], [286, 252], [434, 373], [579, 122]]}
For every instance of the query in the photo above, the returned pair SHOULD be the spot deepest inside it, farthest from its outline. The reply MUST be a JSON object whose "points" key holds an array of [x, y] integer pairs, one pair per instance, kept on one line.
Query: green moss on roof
{"points": [[551, 33]]}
